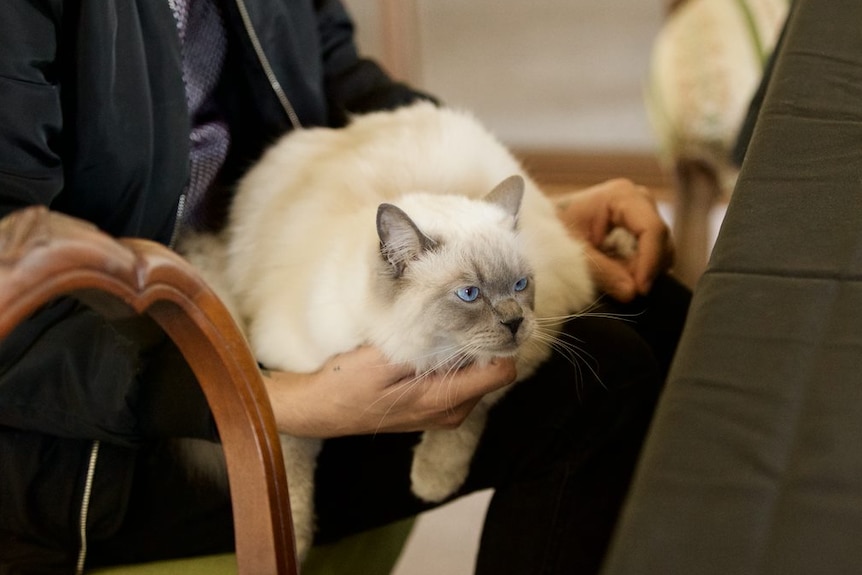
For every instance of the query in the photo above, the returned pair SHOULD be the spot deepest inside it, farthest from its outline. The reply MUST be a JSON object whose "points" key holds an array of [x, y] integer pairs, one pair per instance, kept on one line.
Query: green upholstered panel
{"points": [[370, 553], [208, 565], [374, 552]]}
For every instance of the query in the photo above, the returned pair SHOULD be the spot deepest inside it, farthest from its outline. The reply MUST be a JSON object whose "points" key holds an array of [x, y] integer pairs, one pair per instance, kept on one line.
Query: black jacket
{"points": [[94, 123]]}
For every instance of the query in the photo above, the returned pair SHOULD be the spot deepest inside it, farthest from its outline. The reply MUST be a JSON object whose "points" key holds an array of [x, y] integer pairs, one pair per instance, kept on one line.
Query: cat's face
{"points": [[460, 304], [484, 306], [462, 291]]}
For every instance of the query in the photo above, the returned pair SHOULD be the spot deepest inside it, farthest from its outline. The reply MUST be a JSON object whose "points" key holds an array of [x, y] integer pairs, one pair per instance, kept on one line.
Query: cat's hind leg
{"points": [[300, 461]]}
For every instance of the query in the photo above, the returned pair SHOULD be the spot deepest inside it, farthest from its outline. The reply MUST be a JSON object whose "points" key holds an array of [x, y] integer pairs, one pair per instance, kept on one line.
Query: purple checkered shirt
{"points": [[204, 43]]}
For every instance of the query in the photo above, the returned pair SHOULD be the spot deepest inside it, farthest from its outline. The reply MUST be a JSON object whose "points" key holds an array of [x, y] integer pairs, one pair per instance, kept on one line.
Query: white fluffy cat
{"points": [[387, 232]]}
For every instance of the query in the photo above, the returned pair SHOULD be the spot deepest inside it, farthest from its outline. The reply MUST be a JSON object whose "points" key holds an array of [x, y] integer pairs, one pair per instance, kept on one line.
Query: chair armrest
{"points": [[44, 255]]}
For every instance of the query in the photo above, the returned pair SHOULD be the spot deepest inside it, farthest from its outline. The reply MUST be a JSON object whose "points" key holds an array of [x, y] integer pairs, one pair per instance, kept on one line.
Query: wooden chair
{"points": [[45, 255]]}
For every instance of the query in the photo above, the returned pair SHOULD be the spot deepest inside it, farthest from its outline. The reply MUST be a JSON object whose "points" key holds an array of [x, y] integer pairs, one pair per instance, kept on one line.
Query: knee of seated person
{"points": [[614, 355]]}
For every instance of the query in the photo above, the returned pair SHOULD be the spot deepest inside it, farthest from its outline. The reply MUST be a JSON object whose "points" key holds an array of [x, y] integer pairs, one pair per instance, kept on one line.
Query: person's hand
{"points": [[359, 392], [591, 213]]}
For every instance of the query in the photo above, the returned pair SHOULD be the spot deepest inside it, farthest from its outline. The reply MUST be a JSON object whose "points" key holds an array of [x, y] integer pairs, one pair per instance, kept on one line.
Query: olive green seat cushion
{"points": [[373, 552]]}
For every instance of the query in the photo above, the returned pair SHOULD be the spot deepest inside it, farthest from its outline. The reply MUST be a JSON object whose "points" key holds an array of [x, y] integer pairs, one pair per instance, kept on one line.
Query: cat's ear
{"points": [[508, 195], [401, 241]]}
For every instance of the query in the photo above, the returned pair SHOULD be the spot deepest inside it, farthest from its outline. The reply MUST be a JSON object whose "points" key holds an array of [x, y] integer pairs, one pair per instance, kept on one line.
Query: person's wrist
{"points": [[295, 412]]}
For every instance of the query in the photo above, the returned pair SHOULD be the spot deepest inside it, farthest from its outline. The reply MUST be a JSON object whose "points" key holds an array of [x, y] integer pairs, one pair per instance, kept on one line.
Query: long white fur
{"points": [[301, 244]]}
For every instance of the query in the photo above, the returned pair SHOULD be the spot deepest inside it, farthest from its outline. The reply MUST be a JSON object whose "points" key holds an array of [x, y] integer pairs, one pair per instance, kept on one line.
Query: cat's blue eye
{"points": [[468, 293], [521, 284]]}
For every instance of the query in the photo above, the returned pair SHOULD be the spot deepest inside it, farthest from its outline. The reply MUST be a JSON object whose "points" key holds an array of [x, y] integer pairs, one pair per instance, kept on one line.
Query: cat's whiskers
{"points": [[452, 362], [576, 355], [462, 357], [588, 312], [447, 382], [403, 388], [457, 356], [548, 330]]}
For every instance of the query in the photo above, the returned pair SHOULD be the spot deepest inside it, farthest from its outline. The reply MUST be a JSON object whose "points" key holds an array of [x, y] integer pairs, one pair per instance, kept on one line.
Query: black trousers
{"points": [[559, 449]]}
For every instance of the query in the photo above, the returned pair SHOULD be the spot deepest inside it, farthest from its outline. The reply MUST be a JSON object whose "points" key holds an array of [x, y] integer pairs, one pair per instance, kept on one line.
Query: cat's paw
{"points": [[440, 464], [433, 482], [620, 243]]}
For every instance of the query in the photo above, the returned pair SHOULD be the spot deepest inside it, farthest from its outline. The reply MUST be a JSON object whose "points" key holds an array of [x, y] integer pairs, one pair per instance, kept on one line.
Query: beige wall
{"points": [[564, 74]]}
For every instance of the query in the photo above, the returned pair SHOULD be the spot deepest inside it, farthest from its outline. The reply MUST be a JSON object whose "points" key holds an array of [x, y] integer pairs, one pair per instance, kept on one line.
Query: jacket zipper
{"points": [[267, 69], [85, 507]]}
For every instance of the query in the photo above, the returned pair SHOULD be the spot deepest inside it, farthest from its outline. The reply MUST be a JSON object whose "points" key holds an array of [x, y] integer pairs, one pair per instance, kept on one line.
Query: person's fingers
{"points": [[612, 276], [441, 400], [654, 256], [447, 390], [634, 209]]}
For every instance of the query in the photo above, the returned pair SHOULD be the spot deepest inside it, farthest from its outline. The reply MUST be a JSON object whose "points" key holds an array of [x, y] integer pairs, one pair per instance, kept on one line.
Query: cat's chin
{"points": [[489, 357]]}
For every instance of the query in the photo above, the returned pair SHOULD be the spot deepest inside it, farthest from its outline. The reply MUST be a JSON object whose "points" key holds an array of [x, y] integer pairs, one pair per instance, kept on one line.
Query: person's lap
{"points": [[558, 449]]}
